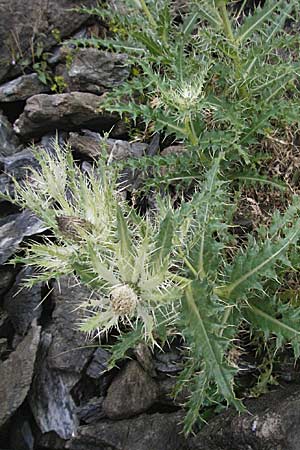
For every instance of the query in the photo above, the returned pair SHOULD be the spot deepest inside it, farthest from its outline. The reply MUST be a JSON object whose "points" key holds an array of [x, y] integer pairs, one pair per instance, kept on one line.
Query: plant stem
{"points": [[148, 13], [190, 132], [221, 5]]}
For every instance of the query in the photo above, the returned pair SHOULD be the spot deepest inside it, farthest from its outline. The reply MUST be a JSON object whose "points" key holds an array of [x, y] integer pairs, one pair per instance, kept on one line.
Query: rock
{"points": [[16, 374], [167, 387], [14, 228], [21, 436], [131, 392], [5, 325], [90, 144], [25, 26], [146, 432], [6, 279], [22, 88], [272, 423], [50, 399], [168, 362], [98, 364], [93, 145], [174, 150], [144, 356], [23, 305], [95, 71], [69, 350], [9, 143], [91, 411], [44, 113], [3, 346], [122, 150], [15, 166]]}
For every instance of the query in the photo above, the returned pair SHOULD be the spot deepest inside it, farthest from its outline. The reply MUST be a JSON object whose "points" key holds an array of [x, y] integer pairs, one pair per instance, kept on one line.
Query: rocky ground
{"points": [[55, 391]]}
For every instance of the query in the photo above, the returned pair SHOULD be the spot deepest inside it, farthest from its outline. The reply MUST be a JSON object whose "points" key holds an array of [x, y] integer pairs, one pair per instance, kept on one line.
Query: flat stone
{"points": [[92, 411], [98, 363], [23, 305], [22, 23], [93, 145], [146, 432], [271, 423], [21, 435], [6, 279], [9, 143], [14, 228], [96, 71], [22, 88], [16, 374], [168, 362], [131, 392], [45, 113], [69, 350], [15, 166], [50, 400]]}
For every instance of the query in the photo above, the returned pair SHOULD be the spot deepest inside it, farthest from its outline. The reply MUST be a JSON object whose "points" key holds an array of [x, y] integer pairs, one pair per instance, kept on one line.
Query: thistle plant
{"points": [[214, 77], [176, 270]]}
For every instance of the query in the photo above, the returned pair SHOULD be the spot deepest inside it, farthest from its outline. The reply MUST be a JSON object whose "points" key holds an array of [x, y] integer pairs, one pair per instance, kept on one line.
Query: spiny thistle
{"points": [[164, 273]]}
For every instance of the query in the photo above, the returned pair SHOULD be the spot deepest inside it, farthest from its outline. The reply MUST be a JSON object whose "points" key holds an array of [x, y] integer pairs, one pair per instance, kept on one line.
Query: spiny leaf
{"points": [[273, 317], [125, 248], [203, 331], [258, 261], [163, 243], [253, 22]]}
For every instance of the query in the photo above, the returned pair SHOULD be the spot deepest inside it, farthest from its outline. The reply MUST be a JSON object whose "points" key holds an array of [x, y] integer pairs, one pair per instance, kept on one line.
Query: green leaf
{"points": [[163, 243], [203, 332], [190, 23], [273, 317], [258, 261], [125, 342], [125, 248], [253, 22]]}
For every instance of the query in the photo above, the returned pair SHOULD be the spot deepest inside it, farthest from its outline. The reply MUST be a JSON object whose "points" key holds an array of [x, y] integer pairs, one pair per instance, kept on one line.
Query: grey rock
{"points": [[6, 279], [5, 326], [15, 166], [271, 423], [22, 23], [69, 350], [168, 362], [146, 432], [9, 143], [3, 346], [93, 145], [90, 143], [167, 388], [14, 228], [144, 356], [95, 71], [155, 432], [98, 363], [91, 411], [22, 88], [23, 305], [50, 399], [60, 52], [16, 374], [21, 435], [44, 113], [131, 392], [122, 150]]}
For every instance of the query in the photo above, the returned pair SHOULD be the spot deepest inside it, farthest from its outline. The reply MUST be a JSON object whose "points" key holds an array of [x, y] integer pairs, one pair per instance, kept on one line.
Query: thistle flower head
{"points": [[123, 300]]}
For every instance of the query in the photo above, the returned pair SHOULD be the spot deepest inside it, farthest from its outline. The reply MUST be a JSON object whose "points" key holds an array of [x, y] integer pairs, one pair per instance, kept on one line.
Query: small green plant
{"points": [[170, 271]]}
